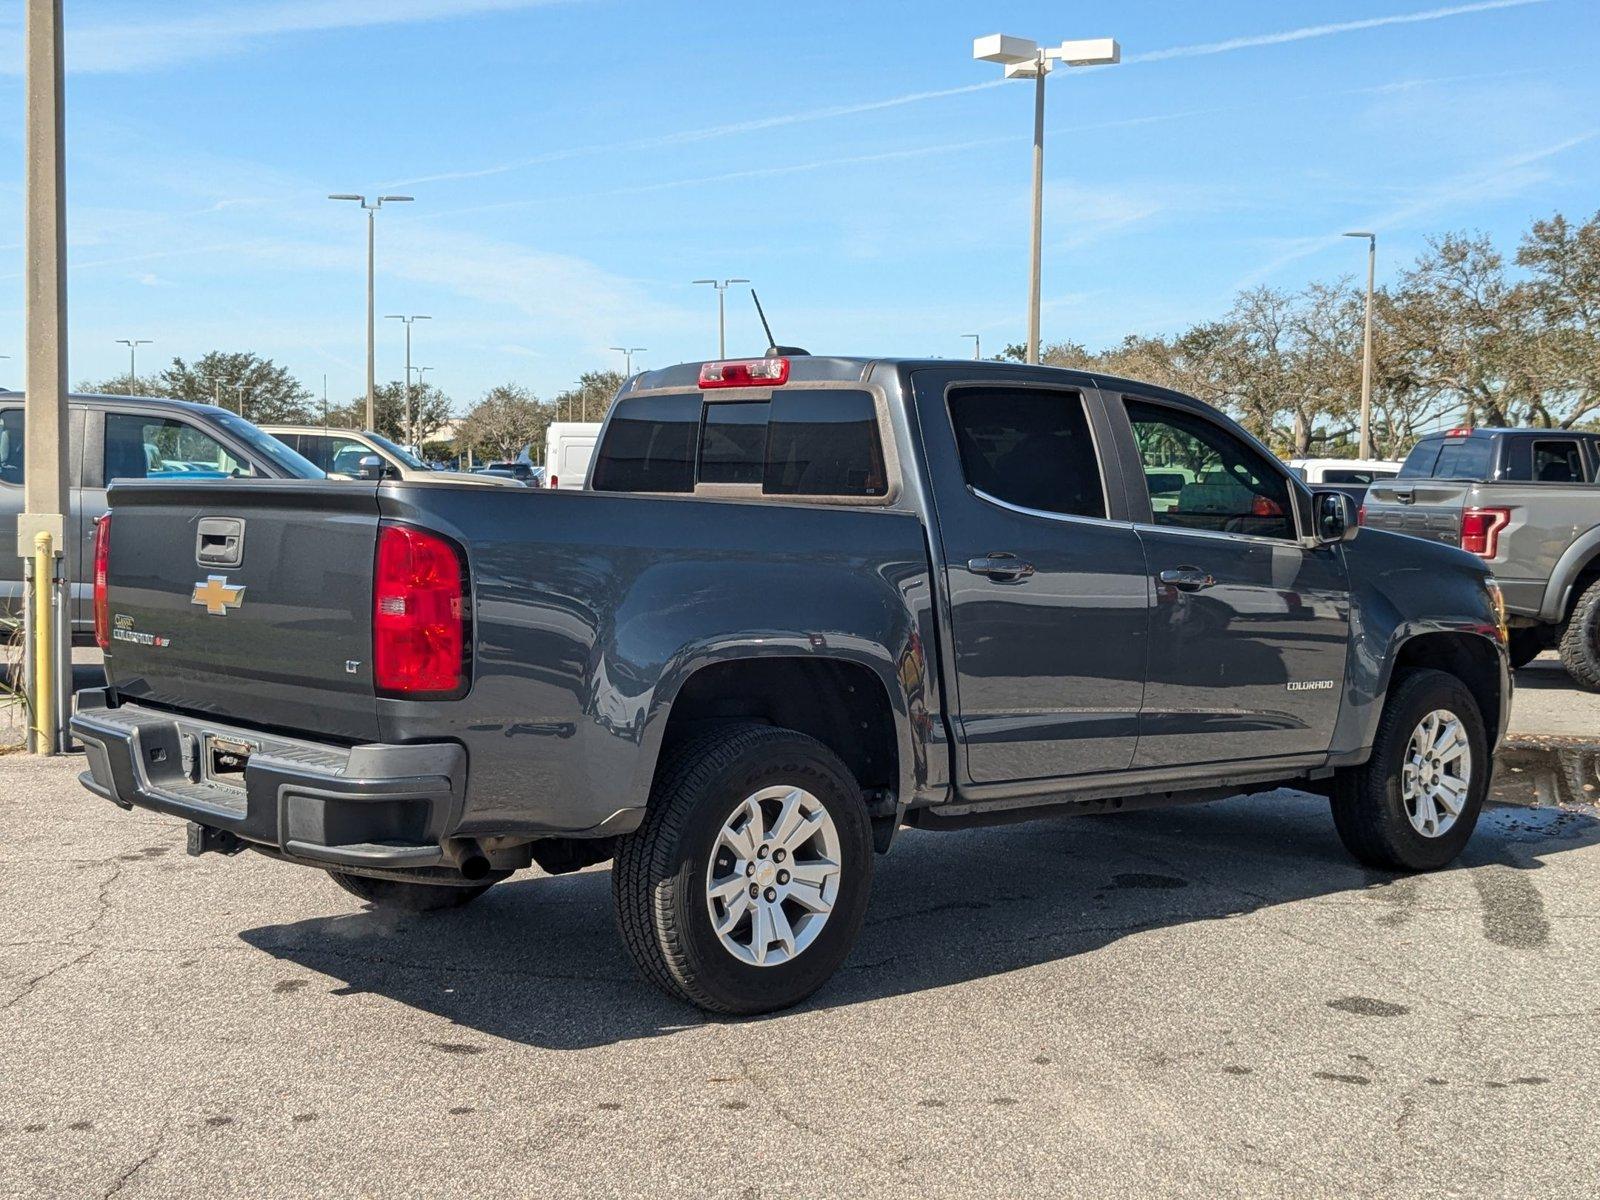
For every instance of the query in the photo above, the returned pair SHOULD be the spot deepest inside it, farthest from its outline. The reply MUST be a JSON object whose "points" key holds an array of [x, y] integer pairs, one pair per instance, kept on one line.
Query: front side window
{"points": [[1557, 462], [1203, 477], [150, 447], [1030, 447], [12, 445], [344, 454]]}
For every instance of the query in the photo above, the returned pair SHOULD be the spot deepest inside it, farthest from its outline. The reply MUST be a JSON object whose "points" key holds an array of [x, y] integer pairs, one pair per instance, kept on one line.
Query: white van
{"points": [[568, 447]]}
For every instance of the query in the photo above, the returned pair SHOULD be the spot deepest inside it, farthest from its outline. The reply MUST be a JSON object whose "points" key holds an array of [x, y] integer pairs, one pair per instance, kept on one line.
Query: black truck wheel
{"points": [[744, 889], [1580, 639], [398, 895], [1413, 805]]}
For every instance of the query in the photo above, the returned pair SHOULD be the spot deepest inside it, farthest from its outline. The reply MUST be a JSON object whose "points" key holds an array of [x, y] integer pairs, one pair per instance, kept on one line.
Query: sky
{"points": [[575, 165]]}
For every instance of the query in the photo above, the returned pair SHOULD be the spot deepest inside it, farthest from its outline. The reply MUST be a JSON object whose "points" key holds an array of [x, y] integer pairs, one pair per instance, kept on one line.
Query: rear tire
{"points": [[746, 802], [1388, 811], [398, 895], [1580, 639]]}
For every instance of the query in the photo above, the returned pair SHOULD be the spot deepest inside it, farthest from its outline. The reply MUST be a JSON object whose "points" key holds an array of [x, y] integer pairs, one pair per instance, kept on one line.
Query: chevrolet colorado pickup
{"points": [[1527, 502], [801, 602]]}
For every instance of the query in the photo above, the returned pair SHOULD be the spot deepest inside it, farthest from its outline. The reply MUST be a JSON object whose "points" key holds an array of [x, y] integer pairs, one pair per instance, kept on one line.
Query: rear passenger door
{"points": [[1049, 604], [1250, 628]]}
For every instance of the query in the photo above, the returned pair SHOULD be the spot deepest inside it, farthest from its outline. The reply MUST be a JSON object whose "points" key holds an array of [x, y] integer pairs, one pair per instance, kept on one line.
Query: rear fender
{"points": [[1578, 557]]}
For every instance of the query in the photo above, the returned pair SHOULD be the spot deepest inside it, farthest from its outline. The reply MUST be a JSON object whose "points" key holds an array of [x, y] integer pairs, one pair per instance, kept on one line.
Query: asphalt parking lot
{"points": [[1203, 1001]]}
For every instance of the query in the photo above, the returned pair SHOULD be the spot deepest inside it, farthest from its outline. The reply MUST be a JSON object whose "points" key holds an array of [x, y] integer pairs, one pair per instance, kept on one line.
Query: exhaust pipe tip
{"points": [[474, 867]]}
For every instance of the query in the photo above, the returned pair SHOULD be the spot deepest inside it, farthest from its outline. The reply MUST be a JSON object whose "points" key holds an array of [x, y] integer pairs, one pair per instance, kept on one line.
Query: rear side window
{"points": [[798, 443], [11, 445], [1557, 462], [1030, 447]]}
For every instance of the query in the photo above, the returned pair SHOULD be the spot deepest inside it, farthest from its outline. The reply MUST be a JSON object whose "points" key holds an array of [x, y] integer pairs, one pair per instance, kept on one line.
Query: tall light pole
{"points": [[408, 322], [1025, 59], [977, 345], [133, 345], [627, 353], [41, 527], [1366, 353], [372, 211], [416, 439], [722, 312]]}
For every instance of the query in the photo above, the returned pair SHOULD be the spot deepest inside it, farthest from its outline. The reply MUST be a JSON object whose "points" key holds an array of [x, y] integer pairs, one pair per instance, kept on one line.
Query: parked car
{"points": [[1352, 476], [342, 451], [568, 447], [1526, 501], [521, 470], [802, 602], [128, 437]]}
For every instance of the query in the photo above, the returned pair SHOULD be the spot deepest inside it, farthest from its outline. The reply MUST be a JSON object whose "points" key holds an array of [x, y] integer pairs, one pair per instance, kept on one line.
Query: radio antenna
{"points": [[773, 349]]}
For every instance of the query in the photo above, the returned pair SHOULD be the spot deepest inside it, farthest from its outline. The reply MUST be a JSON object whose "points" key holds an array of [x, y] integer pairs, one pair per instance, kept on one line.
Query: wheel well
{"points": [[1469, 658], [1586, 577], [841, 704]]}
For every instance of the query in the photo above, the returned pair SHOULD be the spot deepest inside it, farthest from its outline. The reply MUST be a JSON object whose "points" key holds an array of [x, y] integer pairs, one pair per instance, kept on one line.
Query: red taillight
{"points": [[419, 614], [102, 605], [745, 372], [1480, 530], [1361, 515], [554, 482]]}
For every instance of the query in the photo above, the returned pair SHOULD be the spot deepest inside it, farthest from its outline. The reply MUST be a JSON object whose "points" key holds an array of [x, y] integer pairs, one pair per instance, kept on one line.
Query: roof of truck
{"points": [[162, 402]]}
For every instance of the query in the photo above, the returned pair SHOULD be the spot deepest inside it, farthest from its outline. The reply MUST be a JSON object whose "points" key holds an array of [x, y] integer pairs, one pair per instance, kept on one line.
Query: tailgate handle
{"points": [[219, 542]]}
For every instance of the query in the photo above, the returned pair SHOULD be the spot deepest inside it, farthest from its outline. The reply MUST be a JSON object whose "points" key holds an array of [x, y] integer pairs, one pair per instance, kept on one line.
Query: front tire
{"points": [[398, 895], [1580, 639], [745, 888], [1413, 805]]}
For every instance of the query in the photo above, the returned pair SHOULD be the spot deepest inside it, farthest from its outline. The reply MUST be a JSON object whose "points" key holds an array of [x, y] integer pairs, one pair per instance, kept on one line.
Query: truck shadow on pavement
{"points": [[538, 961]]}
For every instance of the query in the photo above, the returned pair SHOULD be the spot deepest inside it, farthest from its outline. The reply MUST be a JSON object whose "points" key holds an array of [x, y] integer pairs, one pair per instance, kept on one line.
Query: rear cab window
{"points": [[805, 442], [1468, 458]]}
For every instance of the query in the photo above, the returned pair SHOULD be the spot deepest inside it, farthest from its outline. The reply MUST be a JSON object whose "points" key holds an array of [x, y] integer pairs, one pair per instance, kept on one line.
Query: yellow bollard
{"points": [[44, 643]]}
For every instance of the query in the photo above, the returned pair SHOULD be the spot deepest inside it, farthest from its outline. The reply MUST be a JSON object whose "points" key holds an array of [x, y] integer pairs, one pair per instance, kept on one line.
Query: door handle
{"points": [[1000, 567], [1187, 579]]}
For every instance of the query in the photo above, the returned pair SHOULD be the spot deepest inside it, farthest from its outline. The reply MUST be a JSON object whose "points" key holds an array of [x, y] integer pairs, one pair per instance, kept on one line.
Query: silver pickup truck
{"points": [[1526, 501]]}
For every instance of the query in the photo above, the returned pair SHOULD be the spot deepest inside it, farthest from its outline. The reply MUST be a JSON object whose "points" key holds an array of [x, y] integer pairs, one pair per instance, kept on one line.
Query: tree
{"points": [[590, 398], [431, 409], [122, 385], [255, 387], [508, 418], [1562, 297]]}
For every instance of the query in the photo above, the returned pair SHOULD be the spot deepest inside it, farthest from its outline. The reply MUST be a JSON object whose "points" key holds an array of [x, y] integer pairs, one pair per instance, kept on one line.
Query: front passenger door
{"points": [[1250, 629]]}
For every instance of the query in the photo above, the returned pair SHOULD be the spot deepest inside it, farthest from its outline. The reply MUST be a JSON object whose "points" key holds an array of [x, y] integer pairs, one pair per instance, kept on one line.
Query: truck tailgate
{"points": [[1425, 508], [273, 628]]}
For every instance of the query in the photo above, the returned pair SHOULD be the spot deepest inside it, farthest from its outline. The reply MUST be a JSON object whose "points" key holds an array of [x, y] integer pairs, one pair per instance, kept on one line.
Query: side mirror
{"points": [[1334, 518], [369, 467]]}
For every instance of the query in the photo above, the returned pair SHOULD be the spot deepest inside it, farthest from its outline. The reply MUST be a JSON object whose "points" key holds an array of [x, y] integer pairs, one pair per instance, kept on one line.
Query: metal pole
{"points": [[1366, 356], [1035, 266], [722, 321], [41, 526], [371, 355], [408, 427]]}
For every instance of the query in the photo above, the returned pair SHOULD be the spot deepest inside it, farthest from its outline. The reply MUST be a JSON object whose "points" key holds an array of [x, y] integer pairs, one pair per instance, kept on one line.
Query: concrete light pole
{"points": [[627, 353], [372, 211], [722, 312], [977, 345], [417, 433], [1025, 59], [133, 345], [1366, 353], [41, 527], [408, 322]]}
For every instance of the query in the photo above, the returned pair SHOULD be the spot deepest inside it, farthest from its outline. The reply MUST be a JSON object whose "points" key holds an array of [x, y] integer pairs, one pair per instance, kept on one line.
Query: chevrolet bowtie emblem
{"points": [[218, 595]]}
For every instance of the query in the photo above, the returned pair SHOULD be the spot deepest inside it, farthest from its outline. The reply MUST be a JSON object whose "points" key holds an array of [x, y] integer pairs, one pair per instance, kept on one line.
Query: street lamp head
{"points": [[1361, 233], [1087, 52], [725, 282], [394, 199], [348, 196], [1004, 49], [711, 281]]}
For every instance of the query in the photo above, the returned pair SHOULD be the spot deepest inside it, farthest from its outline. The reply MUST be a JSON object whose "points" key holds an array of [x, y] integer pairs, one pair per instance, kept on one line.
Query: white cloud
{"points": [[138, 41]]}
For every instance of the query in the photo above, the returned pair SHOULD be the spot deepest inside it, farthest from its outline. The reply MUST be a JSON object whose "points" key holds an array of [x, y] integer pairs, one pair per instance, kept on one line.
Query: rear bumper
{"points": [[371, 806]]}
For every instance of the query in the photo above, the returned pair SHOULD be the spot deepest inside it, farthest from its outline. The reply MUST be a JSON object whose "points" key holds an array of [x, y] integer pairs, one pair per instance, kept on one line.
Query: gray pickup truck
{"points": [[802, 602], [1527, 502]]}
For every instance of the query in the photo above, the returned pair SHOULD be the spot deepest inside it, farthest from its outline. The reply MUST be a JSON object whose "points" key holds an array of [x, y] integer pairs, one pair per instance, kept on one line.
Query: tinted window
{"points": [[1464, 458], [1420, 462], [1228, 486], [1029, 447], [733, 444], [649, 446], [1362, 477], [139, 447], [824, 444], [800, 443], [1557, 462], [11, 445]]}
